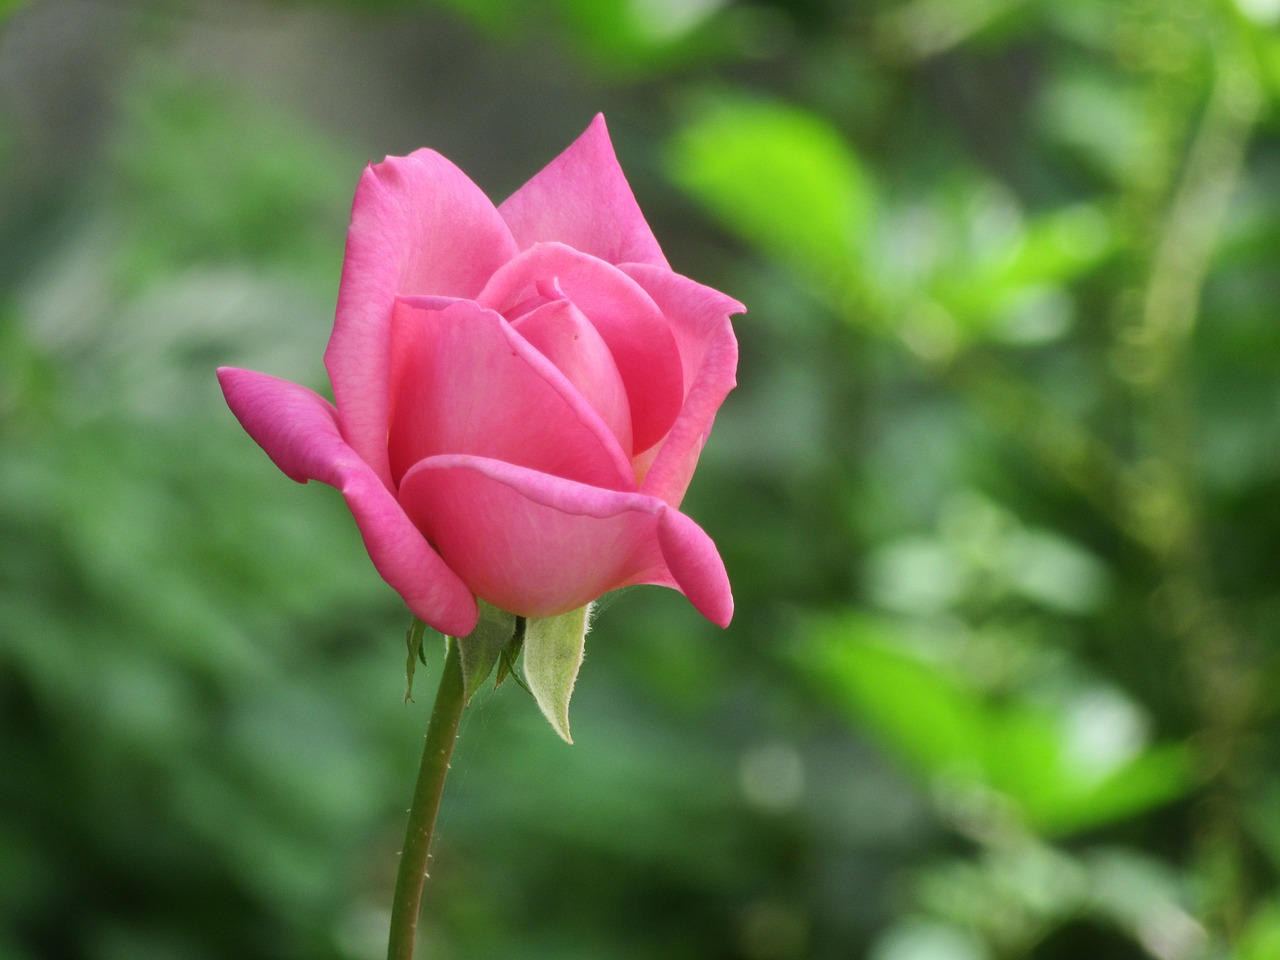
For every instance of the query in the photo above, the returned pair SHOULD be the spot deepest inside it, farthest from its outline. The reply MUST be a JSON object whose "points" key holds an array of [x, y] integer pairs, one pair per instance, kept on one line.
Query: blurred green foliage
{"points": [[1061, 766], [815, 210], [999, 492]]}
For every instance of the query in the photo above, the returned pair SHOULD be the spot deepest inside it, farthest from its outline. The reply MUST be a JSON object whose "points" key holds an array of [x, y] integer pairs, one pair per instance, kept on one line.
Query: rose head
{"points": [[521, 392]]}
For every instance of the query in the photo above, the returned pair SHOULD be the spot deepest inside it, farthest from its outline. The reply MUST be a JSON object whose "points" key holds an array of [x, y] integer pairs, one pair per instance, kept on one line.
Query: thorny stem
{"points": [[442, 732]]}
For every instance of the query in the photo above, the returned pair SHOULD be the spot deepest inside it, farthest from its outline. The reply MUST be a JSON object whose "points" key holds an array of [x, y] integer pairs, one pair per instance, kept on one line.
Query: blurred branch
{"points": [[1164, 510], [1155, 499], [1195, 216], [1061, 442]]}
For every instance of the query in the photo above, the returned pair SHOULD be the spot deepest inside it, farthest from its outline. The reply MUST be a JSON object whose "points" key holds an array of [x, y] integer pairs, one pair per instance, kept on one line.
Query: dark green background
{"points": [[999, 492]]}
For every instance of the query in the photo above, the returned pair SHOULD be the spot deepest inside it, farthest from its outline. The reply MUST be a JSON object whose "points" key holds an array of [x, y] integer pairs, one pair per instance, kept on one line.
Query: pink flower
{"points": [[522, 392]]}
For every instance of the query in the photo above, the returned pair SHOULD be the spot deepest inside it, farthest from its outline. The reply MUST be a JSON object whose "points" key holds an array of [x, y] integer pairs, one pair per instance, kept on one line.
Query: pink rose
{"points": [[522, 392]]}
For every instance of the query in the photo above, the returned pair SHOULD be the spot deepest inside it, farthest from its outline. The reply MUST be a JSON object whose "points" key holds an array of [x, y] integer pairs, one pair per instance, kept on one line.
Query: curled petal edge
{"points": [[298, 430], [699, 317]]}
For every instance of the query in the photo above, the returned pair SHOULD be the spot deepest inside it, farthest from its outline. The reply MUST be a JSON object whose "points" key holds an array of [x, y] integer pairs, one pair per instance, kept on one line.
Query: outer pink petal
{"points": [[699, 317], [582, 199], [636, 332], [538, 546], [463, 381], [559, 331], [299, 431], [418, 226]]}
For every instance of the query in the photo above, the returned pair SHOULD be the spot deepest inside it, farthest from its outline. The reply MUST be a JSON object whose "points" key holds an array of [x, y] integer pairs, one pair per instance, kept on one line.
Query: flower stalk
{"points": [[442, 732]]}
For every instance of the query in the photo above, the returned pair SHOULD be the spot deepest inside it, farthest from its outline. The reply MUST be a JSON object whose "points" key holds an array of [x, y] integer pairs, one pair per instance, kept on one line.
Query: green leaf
{"points": [[1012, 281], [1160, 774], [929, 716], [1031, 758], [481, 648], [924, 717], [553, 651], [1261, 938], [784, 180]]}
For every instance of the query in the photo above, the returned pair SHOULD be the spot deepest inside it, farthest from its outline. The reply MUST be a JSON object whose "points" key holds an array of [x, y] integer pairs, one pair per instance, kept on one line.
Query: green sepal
{"points": [[481, 648], [414, 639], [511, 653], [553, 651]]}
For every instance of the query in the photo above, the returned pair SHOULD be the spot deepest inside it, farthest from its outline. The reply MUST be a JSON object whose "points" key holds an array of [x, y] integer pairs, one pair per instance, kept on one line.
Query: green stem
{"points": [[442, 731]]}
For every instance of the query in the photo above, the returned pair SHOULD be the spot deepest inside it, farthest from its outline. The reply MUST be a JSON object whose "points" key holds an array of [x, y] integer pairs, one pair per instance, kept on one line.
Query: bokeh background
{"points": [[999, 492]]}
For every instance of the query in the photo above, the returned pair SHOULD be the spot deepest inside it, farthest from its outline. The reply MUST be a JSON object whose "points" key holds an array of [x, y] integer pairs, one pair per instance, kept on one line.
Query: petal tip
{"points": [[696, 566], [452, 623]]}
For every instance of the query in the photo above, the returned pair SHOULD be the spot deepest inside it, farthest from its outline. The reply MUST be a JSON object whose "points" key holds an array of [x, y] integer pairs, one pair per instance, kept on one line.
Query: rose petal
{"points": [[463, 381], [298, 430], [539, 546], [699, 318], [560, 332], [637, 334], [695, 565], [582, 199], [418, 226]]}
